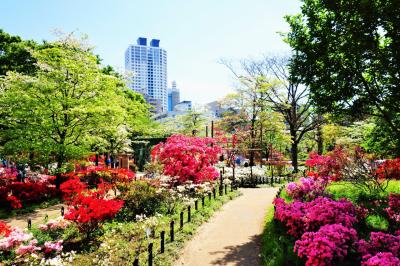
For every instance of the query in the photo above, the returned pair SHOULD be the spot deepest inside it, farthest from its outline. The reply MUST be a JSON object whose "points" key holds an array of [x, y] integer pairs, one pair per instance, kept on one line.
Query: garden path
{"points": [[233, 235], [37, 216]]}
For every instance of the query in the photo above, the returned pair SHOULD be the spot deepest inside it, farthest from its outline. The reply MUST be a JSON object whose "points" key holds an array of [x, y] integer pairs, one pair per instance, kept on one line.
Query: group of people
{"points": [[21, 168]]}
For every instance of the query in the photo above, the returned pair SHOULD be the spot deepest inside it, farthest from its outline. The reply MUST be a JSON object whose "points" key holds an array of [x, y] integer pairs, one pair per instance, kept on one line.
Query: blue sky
{"points": [[196, 33]]}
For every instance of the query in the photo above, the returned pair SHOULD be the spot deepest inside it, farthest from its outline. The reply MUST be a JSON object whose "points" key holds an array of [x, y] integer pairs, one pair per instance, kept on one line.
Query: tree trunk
{"points": [[294, 153], [320, 141], [58, 174]]}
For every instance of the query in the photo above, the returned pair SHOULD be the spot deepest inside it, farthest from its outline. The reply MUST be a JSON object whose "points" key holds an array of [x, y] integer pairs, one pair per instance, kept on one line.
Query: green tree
{"points": [[192, 122], [15, 54], [347, 52], [55, 113]]}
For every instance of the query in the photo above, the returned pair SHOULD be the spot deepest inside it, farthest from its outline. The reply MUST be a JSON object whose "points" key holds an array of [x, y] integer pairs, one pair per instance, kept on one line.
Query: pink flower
{"points": [[329, 244], [53, 246], [30, 248], [382, 259]]}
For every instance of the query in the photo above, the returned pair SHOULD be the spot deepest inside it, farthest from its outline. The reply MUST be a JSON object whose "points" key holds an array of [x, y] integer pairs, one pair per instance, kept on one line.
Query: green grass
{"points": [[348, 190], [277, 248]]}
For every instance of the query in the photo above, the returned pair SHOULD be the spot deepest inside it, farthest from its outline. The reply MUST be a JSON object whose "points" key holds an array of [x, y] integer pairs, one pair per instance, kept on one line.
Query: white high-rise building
{"points": [[149, 67]]}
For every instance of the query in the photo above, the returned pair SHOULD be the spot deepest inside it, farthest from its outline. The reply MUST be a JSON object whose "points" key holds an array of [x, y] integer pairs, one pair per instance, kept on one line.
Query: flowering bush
{"points": [[329, 244], [94, 175], [188, 158], [15, 238], [300, 217], [308, 189], [394, 208], [328, 165], [5, 229], [382, 259], [390, 169], [56, 224], [71, 188], [379, 242], [35, 189], [89, 211]]}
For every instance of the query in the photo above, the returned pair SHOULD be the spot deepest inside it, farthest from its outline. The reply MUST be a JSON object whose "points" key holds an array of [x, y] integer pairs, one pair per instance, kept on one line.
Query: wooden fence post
{"points": [[29, 223], [171, 231], [196, 205], [181, 220], [189, 216], [150, 251], [162, 235]]}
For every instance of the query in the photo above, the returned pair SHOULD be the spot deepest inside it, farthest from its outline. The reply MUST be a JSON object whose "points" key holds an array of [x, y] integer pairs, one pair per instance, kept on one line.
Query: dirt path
{"points": [[232, 236], [37, 216]]}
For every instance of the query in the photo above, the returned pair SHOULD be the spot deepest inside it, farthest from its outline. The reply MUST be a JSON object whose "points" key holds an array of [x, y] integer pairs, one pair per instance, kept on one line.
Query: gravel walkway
{"points": [[232, 236]]}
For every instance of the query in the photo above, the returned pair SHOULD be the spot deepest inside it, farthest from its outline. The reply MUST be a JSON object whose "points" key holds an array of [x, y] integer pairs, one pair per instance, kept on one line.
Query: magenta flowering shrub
{"points": [[307, 189], [291, 215], [329, 244], [382, 259], [300, 217], [394, 207], [379, 243]]}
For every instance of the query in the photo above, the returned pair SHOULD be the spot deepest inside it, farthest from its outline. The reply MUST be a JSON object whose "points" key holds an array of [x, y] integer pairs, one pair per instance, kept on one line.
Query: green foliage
{"points": [[345, 51], [15, 54], [57, 111], [277, 248], [377, 222], [140, 198]]}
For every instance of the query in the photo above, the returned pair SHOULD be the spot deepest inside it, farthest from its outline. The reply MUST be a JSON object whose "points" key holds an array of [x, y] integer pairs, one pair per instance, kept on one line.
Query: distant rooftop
{"points": [[143, 41]]}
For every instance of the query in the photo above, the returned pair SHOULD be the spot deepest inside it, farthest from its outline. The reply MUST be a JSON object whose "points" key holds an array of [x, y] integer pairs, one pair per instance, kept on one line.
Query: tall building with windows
{"points": [[148, 63], [173, 97]]}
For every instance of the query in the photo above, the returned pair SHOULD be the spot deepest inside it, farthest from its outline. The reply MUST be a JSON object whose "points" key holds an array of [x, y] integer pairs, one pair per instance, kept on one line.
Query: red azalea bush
{"points": [[188, 158], [93, 175], [390, 169], [329, 244], [17, 194], [89, 211], [5, 229], [72, 188], [328, 165], [299, 217]]}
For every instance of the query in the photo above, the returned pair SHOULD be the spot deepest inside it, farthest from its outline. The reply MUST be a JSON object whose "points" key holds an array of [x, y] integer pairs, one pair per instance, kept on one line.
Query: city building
{"points": [[183, 106], [149, 66], [173, 97]]}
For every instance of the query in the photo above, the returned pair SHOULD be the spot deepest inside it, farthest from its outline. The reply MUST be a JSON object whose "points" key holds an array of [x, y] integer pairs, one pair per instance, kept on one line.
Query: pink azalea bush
{"points": [[382, 259], [15, 238], [188, 158], [393, 210], [329, 244], [31, 247], [379, 242], [55, 224], [299, 217], [307, 189]]}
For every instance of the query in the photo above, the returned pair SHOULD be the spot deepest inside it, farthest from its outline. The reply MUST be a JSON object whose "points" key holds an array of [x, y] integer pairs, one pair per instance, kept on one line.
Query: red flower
{"points": [[5, 229]]}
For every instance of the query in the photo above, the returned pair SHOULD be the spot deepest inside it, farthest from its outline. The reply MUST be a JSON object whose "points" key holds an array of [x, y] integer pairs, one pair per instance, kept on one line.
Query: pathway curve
{"points": [[37, 216], [233, 235]]}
